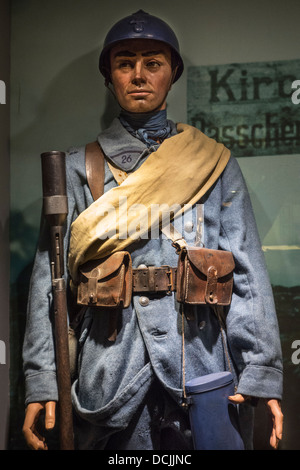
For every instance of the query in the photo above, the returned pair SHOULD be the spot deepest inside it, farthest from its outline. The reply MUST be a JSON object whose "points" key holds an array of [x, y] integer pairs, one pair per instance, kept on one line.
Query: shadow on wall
{"points": [[73, 109]]}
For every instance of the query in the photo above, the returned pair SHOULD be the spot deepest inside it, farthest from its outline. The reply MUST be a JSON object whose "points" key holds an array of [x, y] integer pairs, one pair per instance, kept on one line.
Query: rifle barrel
{"points": [[55, 206]]}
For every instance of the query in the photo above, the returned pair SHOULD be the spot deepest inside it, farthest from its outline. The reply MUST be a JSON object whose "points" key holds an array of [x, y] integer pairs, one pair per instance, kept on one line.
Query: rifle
{"points": [[55, 208]]}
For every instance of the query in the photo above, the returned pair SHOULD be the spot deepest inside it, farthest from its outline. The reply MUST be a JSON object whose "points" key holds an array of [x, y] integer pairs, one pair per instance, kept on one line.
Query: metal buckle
{"points": [[170, 276]]}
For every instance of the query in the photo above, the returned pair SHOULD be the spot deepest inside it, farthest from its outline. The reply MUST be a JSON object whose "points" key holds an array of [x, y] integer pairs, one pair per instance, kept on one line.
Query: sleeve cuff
{"points": [[41, 386], [261, 382]]}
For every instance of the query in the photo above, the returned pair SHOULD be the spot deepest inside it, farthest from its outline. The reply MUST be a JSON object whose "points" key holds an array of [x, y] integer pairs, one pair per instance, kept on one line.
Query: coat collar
{"points": [[121, 148]]}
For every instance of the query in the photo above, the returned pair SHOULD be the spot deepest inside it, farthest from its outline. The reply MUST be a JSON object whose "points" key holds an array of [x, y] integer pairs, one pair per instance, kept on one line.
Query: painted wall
{"points": [[58, 100], [4, 220]]}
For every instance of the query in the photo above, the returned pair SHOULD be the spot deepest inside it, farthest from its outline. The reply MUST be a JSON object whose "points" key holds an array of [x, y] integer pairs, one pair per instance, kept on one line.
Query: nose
{"points": [[138, 76]]}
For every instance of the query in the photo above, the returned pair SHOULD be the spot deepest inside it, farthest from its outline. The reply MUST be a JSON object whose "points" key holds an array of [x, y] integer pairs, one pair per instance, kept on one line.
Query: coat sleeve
{"points": [[252, 328], [38, 348]]}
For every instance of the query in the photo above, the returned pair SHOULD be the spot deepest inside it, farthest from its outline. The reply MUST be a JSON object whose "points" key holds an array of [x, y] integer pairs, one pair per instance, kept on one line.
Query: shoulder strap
{"points": [[94, 165]]}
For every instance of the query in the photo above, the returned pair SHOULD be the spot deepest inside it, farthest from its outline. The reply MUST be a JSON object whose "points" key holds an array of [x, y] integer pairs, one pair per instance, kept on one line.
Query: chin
{"points": [[142, 108]]}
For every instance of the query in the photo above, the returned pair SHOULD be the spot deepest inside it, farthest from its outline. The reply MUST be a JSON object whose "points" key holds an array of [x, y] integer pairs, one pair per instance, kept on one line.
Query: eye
{"points": [[153, 64], [125, 64]]}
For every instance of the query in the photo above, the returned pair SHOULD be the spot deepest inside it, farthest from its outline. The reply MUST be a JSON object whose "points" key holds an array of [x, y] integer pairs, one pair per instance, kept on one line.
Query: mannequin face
{"points": [[141, 74]]}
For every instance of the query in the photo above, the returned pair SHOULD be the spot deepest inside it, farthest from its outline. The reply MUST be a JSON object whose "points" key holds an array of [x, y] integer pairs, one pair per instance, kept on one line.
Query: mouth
{"points": [[139, 93]]}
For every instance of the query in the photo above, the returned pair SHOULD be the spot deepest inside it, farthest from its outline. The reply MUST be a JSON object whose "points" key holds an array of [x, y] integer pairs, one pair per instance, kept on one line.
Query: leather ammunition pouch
{"points": [[204, 276], [106, 282]]}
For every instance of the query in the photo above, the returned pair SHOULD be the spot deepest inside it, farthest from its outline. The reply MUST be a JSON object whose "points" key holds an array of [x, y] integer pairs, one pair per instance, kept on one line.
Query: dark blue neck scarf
{"points": [[148, 127]]}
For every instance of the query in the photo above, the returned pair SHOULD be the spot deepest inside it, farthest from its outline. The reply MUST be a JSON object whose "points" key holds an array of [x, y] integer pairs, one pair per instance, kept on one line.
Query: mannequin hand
{"points": [[277, 419], [33, 410], [274, 408]]}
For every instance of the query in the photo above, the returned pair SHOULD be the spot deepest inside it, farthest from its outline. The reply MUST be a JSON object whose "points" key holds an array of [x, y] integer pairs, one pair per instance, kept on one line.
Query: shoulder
{"points": [[75, 166], [233, 169], [75, 157]]}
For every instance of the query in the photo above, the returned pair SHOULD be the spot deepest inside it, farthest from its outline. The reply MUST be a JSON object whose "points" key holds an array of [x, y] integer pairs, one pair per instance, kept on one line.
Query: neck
{"points": [[151, 128], [153, 121]]}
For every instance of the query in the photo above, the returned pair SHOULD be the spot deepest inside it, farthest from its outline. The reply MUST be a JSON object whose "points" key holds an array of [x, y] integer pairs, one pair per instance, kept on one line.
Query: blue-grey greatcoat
{"points": [[114, 378]]}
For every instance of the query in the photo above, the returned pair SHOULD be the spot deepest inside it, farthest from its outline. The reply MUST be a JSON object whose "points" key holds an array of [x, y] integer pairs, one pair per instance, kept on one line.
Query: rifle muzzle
{"points": [[55, 202]]}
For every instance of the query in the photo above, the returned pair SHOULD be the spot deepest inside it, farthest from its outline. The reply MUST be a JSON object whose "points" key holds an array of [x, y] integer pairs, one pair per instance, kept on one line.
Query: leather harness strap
{"points": [[94, 165]]}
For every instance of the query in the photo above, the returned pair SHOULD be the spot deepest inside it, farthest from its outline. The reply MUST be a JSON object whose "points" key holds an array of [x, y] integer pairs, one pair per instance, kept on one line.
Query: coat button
{"points": [[144, 301], [201, 325], [189, 226]]}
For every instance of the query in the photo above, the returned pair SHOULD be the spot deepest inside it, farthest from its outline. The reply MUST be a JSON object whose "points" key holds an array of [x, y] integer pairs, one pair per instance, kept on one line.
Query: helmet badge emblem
{"points": [[138, 25], [138, 20]]}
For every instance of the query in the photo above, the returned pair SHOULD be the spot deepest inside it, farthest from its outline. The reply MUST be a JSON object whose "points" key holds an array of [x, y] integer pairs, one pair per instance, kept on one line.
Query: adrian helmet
{"points": [[140, 25]]}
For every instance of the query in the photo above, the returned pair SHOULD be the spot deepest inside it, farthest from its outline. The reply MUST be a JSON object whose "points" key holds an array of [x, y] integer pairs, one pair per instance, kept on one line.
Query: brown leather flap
{"points": [[106, 282], [110, 265], [204, 259], [204, 276]]}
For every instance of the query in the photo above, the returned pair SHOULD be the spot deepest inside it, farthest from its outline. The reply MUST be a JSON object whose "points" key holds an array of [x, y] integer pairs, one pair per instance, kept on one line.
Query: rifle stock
{"points": [[55, 207]]}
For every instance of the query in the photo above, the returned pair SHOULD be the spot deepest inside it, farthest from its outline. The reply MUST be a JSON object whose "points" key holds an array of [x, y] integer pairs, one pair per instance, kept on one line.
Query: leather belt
{"points": [[154, 279]]}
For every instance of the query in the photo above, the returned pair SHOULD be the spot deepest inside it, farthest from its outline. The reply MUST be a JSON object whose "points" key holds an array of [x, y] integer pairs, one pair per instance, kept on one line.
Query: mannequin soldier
{"points": [[128, 391]]}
